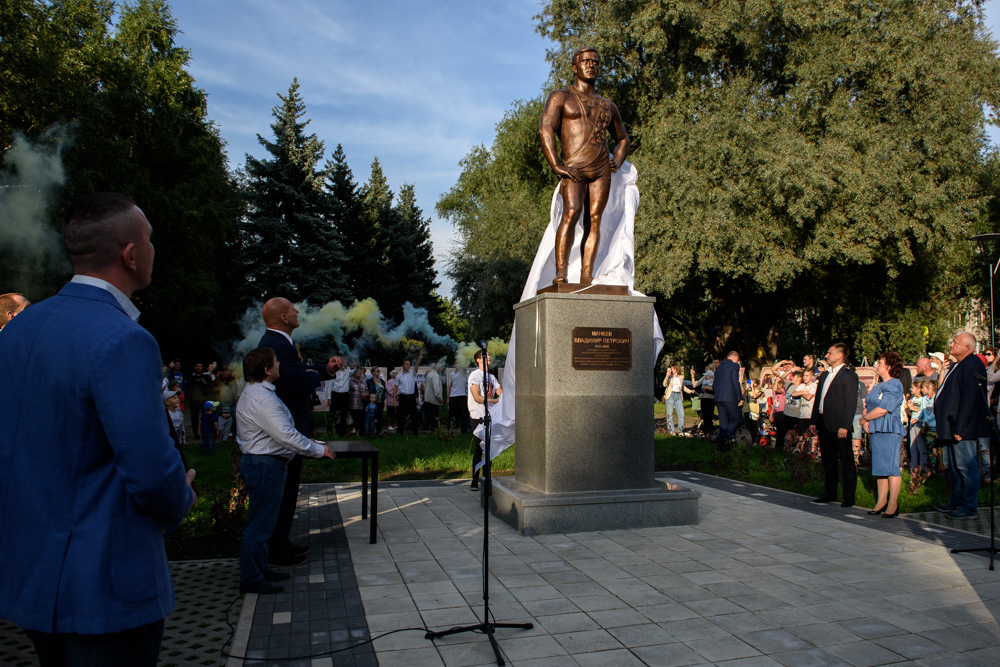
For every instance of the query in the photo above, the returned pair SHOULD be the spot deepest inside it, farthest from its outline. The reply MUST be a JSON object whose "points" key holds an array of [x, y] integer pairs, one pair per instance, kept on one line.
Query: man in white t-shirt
{"points": [[458, 410], [483, 390], [340, 389]]}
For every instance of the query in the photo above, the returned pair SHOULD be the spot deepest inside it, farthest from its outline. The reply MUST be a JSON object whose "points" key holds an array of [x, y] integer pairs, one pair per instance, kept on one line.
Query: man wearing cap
{"points": [[209, 427]]}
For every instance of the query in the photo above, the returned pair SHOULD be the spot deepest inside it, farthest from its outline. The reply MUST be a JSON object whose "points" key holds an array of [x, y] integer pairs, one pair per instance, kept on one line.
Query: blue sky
{"points": [[416, 83]]}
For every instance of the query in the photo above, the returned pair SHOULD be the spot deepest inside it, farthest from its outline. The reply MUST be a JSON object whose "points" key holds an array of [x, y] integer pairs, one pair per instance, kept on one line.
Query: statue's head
{"points": [[586, 64], [579, 53]]}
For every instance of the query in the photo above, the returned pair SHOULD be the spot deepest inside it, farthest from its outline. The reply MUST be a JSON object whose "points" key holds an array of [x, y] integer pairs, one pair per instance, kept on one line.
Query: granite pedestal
{"points": [[584, 434]]}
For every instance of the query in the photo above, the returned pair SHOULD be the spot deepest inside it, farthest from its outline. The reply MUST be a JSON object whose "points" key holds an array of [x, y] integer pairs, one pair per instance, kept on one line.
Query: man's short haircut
{"points": [[584, 49], [846, 351], [478, 355], [10, 303], [97, 228], [734, 355], [256, 363]]}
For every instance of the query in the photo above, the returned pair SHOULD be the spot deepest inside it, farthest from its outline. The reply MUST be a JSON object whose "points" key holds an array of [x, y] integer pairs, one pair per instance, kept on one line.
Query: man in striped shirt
{"points": [[269, 440]]}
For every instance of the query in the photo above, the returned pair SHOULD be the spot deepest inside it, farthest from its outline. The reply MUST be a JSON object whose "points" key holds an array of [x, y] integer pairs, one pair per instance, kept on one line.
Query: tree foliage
{"points": [[113, 75], [290, 246], [805, 168]]}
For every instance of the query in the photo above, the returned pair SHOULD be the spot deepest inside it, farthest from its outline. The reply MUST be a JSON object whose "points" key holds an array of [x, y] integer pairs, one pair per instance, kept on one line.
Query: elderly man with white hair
{"points": [[962, 425]]}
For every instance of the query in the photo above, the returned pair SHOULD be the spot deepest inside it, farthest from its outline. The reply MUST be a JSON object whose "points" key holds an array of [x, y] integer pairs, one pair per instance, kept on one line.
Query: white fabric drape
{"points": [[615, 266]]}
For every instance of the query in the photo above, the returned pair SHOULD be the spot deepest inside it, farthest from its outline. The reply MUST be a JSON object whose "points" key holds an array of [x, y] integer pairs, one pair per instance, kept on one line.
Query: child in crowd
{"points": [[920, 456], [177, 413], [390, 402], [806, 393], [912, 403], [209, 428], [371, 409], [792, 411]]}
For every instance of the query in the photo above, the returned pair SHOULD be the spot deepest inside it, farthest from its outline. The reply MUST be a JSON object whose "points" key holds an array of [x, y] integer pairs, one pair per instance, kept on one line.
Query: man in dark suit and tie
{"points": [[962, 420], [296, 387], [728, 396], [89, 477], [834, 406]]}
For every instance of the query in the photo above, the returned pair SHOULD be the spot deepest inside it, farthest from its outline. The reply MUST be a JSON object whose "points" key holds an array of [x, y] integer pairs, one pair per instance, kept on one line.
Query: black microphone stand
{"points": [[486, 626], [992, 550]]}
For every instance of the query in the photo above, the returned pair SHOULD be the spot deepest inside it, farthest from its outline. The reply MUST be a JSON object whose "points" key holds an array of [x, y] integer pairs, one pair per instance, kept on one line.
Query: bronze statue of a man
{"points": [[582, 119]]}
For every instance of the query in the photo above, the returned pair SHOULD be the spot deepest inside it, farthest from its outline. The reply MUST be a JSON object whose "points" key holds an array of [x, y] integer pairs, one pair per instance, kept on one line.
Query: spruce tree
{"points": [[361, 251], [413, 253], [373, 264], [290, 244]]}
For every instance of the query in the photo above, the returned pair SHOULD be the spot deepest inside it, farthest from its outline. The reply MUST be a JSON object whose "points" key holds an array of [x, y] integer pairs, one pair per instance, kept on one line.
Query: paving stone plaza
{"points": [[764, 578]]}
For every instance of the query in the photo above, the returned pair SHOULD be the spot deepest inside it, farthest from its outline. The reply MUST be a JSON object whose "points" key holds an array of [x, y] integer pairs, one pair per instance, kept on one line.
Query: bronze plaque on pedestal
{"points": [[601, 349]]}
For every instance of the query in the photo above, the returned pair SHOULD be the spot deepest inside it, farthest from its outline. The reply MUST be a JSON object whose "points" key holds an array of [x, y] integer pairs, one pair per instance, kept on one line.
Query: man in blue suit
{"points": [[296, 388], [728, 396], [89, 477], [962, 420]]}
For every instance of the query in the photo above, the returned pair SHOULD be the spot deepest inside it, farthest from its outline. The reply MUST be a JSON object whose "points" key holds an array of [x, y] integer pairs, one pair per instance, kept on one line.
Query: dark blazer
{"points": [[841, 401], [959, 406], [296, 382], [727, 383], [89, 478]]}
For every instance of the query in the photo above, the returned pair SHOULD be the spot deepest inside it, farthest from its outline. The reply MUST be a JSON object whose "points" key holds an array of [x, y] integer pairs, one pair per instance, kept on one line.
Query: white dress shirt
{"points": [[123, 301], [406, 382], [265, 426], [826, 385]]}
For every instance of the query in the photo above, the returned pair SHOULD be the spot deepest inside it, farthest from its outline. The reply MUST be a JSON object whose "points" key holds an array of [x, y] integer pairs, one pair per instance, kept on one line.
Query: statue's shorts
{"points": [[597, 169]]}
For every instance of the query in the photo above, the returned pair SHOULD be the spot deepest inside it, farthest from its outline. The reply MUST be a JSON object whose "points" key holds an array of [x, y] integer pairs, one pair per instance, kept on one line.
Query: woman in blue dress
{"points": [[883, 421]]}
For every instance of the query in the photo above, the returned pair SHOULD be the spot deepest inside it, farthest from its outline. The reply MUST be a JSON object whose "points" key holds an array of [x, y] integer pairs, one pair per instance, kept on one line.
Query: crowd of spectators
{"points": [[779, 399]]}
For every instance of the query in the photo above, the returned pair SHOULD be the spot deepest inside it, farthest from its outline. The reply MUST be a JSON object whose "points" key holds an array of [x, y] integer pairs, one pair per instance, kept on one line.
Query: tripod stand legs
{"points": [[485, 626]]}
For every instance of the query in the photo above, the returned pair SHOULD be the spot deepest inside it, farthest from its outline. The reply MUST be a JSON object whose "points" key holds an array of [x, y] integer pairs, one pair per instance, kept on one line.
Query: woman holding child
{"points": [[883, 422]]}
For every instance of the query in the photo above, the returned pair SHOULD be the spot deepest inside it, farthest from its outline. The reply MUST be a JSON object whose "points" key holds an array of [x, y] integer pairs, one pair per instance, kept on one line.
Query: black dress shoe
{"points": [[287, 560], [273, 576], [261, 588], [823, 499], [847, 503], [296, 550]]}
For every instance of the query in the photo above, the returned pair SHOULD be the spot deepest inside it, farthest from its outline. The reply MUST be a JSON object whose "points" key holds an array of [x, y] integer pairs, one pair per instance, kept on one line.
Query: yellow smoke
{"points": [[466, 352]]}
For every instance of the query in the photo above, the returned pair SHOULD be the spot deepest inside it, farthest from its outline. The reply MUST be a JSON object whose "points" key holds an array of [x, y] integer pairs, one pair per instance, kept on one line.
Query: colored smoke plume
{"points": [[360, 329], [31, 248]]}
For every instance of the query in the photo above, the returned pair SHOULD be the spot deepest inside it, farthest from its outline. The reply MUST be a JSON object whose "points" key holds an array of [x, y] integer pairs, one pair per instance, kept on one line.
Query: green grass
{"points": [[789, 472], [213, 527]]}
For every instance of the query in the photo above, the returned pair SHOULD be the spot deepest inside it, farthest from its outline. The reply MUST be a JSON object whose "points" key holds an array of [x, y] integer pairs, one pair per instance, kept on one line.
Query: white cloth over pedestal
{"points": [[615, 264]]}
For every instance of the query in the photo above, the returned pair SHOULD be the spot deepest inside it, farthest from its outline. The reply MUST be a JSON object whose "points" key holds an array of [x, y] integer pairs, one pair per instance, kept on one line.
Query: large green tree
{"points": [[806, 168], [289, 243], [133, 121]]}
